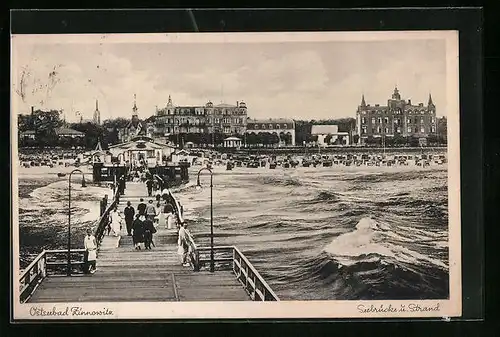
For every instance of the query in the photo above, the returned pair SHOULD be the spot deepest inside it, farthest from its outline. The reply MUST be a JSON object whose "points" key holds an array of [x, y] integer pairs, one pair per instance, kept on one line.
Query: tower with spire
{"points": [[134, 108], [97, 114], [430, 103], [395, 94], [363, 103]]}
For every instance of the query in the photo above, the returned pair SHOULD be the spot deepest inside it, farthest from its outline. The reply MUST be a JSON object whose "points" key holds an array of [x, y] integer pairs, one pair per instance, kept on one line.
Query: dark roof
{"points": [[28, 132]]}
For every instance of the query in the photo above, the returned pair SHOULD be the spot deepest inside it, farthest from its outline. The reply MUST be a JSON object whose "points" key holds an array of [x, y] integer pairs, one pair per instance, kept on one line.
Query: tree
{"points": [[432, 139], [274, 138], [414, 142], [93, 133], [328, 139], [442, 129], [116, 123], [399, 140], [355, 139]]}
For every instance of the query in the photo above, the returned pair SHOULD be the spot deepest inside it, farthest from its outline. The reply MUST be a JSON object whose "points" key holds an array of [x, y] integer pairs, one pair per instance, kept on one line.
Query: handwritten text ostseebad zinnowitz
{"points": [[68, 312]]}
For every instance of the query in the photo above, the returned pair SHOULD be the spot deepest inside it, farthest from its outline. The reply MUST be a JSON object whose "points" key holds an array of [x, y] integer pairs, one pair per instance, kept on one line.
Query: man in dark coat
{"points": [[138, 231], [149, 184], [141, 208], [149, 230], [104, 204], [129, 217], [121, 184]]}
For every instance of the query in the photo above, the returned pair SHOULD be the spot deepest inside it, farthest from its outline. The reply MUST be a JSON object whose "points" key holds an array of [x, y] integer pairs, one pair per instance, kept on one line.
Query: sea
{"points": [[324, 233]]}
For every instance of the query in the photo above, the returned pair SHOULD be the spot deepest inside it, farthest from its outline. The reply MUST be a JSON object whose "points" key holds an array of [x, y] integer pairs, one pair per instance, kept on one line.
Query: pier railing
{"points": [[231, 258], [48, 263], [103, 222]]}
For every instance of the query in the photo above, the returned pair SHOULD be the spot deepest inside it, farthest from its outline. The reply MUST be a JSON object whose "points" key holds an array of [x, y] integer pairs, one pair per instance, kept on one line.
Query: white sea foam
{"points": [[367, 239]]}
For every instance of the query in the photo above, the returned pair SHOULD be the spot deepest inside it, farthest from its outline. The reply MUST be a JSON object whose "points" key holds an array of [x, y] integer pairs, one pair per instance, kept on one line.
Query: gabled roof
{"points": [[224, 105]]}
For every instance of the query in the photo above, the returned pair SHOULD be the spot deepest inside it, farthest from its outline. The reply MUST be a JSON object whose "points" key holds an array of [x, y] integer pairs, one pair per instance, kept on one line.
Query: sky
{"points": [[300, 80]]}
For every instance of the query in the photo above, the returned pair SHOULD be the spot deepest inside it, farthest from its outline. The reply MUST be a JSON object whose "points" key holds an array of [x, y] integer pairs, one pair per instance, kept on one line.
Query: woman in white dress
{"points": [[90, 245], [116, 221]]}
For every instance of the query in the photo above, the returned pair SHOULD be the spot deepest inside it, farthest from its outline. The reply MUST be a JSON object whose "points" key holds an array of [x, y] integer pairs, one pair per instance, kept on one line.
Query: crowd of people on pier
{"points": [[141, 221]]}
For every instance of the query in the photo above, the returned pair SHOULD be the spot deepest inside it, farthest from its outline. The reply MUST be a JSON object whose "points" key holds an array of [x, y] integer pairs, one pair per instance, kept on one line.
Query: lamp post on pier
{"points": [[198, 186], [69, 216]]}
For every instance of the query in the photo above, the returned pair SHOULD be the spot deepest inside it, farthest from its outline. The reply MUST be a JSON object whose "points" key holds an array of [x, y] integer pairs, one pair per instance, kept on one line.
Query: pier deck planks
{"points": [[126, 275]]}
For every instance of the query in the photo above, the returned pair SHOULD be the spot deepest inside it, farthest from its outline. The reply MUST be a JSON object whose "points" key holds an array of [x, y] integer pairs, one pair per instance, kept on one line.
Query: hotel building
{"points": [[222, 118], [398, 117]]}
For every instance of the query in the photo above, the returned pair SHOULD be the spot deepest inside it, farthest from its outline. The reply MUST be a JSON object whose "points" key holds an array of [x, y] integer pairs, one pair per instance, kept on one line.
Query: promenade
{"points": [[127, 275]]}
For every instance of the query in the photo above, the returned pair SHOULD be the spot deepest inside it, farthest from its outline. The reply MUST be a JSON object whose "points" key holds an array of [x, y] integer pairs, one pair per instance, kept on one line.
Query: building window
{"points": [[386, 120], [421, 120], [363, 120], [422, 112], [286, 127], [432, 120], [408, 121], [422, 129], [363, 130], [409, 129], [409, 111], [386, 130], [433, 128], [270, 126], [277, 126], [216, 120], [263, 126], [373, 120], [379, 129]]}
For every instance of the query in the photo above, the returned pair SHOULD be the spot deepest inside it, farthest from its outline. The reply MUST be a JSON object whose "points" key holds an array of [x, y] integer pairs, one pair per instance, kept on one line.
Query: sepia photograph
{"points": [[236, 175]]}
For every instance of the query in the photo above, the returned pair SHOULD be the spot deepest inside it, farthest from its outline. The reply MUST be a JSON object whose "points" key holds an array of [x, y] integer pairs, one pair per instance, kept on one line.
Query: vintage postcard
{"points": [[236, 175]]}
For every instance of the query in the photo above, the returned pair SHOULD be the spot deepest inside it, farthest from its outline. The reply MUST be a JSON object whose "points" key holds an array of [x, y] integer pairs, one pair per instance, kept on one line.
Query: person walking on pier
{"points": [[138, 231], [149, 185], [183, 243], [90, 256], [104, 204], [116, 221], [149, 230], [150, 211], [141, 208], [121, 184], [129, 213]]}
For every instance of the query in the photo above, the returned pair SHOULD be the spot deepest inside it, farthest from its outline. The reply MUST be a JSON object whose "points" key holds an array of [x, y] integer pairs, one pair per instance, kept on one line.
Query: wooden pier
{"points": [[128, 275]]}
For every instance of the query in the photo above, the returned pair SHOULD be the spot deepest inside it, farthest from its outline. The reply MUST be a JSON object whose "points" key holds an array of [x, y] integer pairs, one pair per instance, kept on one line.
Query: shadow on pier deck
{"points": [[127, 275]]}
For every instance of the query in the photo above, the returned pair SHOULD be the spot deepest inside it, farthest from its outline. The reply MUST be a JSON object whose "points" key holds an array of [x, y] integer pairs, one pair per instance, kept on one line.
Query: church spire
{"points": [[97, 113], [169, 103], [363, 103], [134, 109], [430, 100]]}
